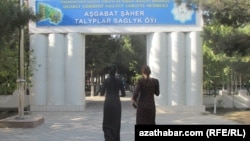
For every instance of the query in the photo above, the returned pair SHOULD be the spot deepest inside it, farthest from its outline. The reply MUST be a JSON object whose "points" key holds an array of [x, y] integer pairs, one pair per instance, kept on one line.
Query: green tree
{"points": [[101, 51], [127, 52], [12, 18], [226, 35], [231, 14]]}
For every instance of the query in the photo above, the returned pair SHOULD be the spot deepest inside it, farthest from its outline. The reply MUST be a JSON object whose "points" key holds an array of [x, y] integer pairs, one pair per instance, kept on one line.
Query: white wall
{"points": [[59, 72], [175, 59]]}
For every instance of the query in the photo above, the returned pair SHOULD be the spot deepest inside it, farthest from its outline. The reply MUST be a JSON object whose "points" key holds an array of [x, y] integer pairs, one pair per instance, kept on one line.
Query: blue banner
{"points": [[113, 12]]}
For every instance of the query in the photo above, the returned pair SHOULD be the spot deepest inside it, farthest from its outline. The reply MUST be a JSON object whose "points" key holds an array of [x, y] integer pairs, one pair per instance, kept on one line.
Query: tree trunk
{"points": [[92, 91]]}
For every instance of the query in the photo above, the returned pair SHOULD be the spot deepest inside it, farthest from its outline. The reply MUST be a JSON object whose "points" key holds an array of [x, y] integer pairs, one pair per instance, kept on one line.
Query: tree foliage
{"points": [[13, 16], [226, 39], [233, 13], [231, 17], [127, 52]]}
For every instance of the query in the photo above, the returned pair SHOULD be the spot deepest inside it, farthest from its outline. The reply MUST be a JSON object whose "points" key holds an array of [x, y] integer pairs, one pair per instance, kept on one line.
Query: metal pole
{"points": [[21, 80], [21, 83]]}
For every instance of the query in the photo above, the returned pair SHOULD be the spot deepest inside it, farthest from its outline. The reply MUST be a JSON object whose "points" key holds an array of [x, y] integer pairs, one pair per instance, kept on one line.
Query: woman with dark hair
{"points": [[112, 105], [143, 95]]}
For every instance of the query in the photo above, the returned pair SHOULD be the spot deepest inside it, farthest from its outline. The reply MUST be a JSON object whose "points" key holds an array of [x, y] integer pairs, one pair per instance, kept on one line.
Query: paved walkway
{"points": [[87, 125]]}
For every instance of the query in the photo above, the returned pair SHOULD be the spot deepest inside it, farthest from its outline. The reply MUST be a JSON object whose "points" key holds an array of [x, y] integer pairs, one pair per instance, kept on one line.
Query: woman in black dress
{"points": [[112, 106], [143, 94]]}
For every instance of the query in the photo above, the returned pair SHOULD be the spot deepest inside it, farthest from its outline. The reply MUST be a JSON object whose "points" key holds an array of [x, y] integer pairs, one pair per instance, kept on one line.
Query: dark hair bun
{"points": [[112, 69]]}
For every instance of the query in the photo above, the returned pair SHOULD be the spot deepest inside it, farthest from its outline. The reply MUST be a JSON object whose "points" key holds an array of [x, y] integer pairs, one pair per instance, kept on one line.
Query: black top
{"points": [[112, 108]]}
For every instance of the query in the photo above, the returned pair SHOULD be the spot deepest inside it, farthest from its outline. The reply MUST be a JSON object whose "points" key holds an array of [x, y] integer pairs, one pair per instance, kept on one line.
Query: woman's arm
{"points": [[157, 87]]}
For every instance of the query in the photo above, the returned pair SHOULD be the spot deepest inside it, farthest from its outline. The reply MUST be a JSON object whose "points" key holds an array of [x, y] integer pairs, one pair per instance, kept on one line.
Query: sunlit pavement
{"points": [[87, 125]]}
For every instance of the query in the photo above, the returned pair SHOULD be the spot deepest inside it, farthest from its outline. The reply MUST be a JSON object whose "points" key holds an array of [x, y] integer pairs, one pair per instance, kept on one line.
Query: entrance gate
{"points": [[174, 50]]}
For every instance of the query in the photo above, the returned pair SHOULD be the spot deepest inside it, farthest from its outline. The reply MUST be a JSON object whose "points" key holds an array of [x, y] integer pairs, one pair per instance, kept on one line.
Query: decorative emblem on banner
{"points": [[182, 13], [50, 13]]}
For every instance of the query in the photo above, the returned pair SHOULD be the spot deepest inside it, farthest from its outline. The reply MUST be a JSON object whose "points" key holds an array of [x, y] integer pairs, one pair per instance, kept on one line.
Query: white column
{"points": [[56, 87], [169, 66], [38, 90], [194, 72], [157, 60], [75, 70], [177, 66]]}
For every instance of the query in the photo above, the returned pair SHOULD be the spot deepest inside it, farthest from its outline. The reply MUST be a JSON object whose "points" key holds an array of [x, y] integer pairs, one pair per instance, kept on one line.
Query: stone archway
{"points": [[174, 54]]}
